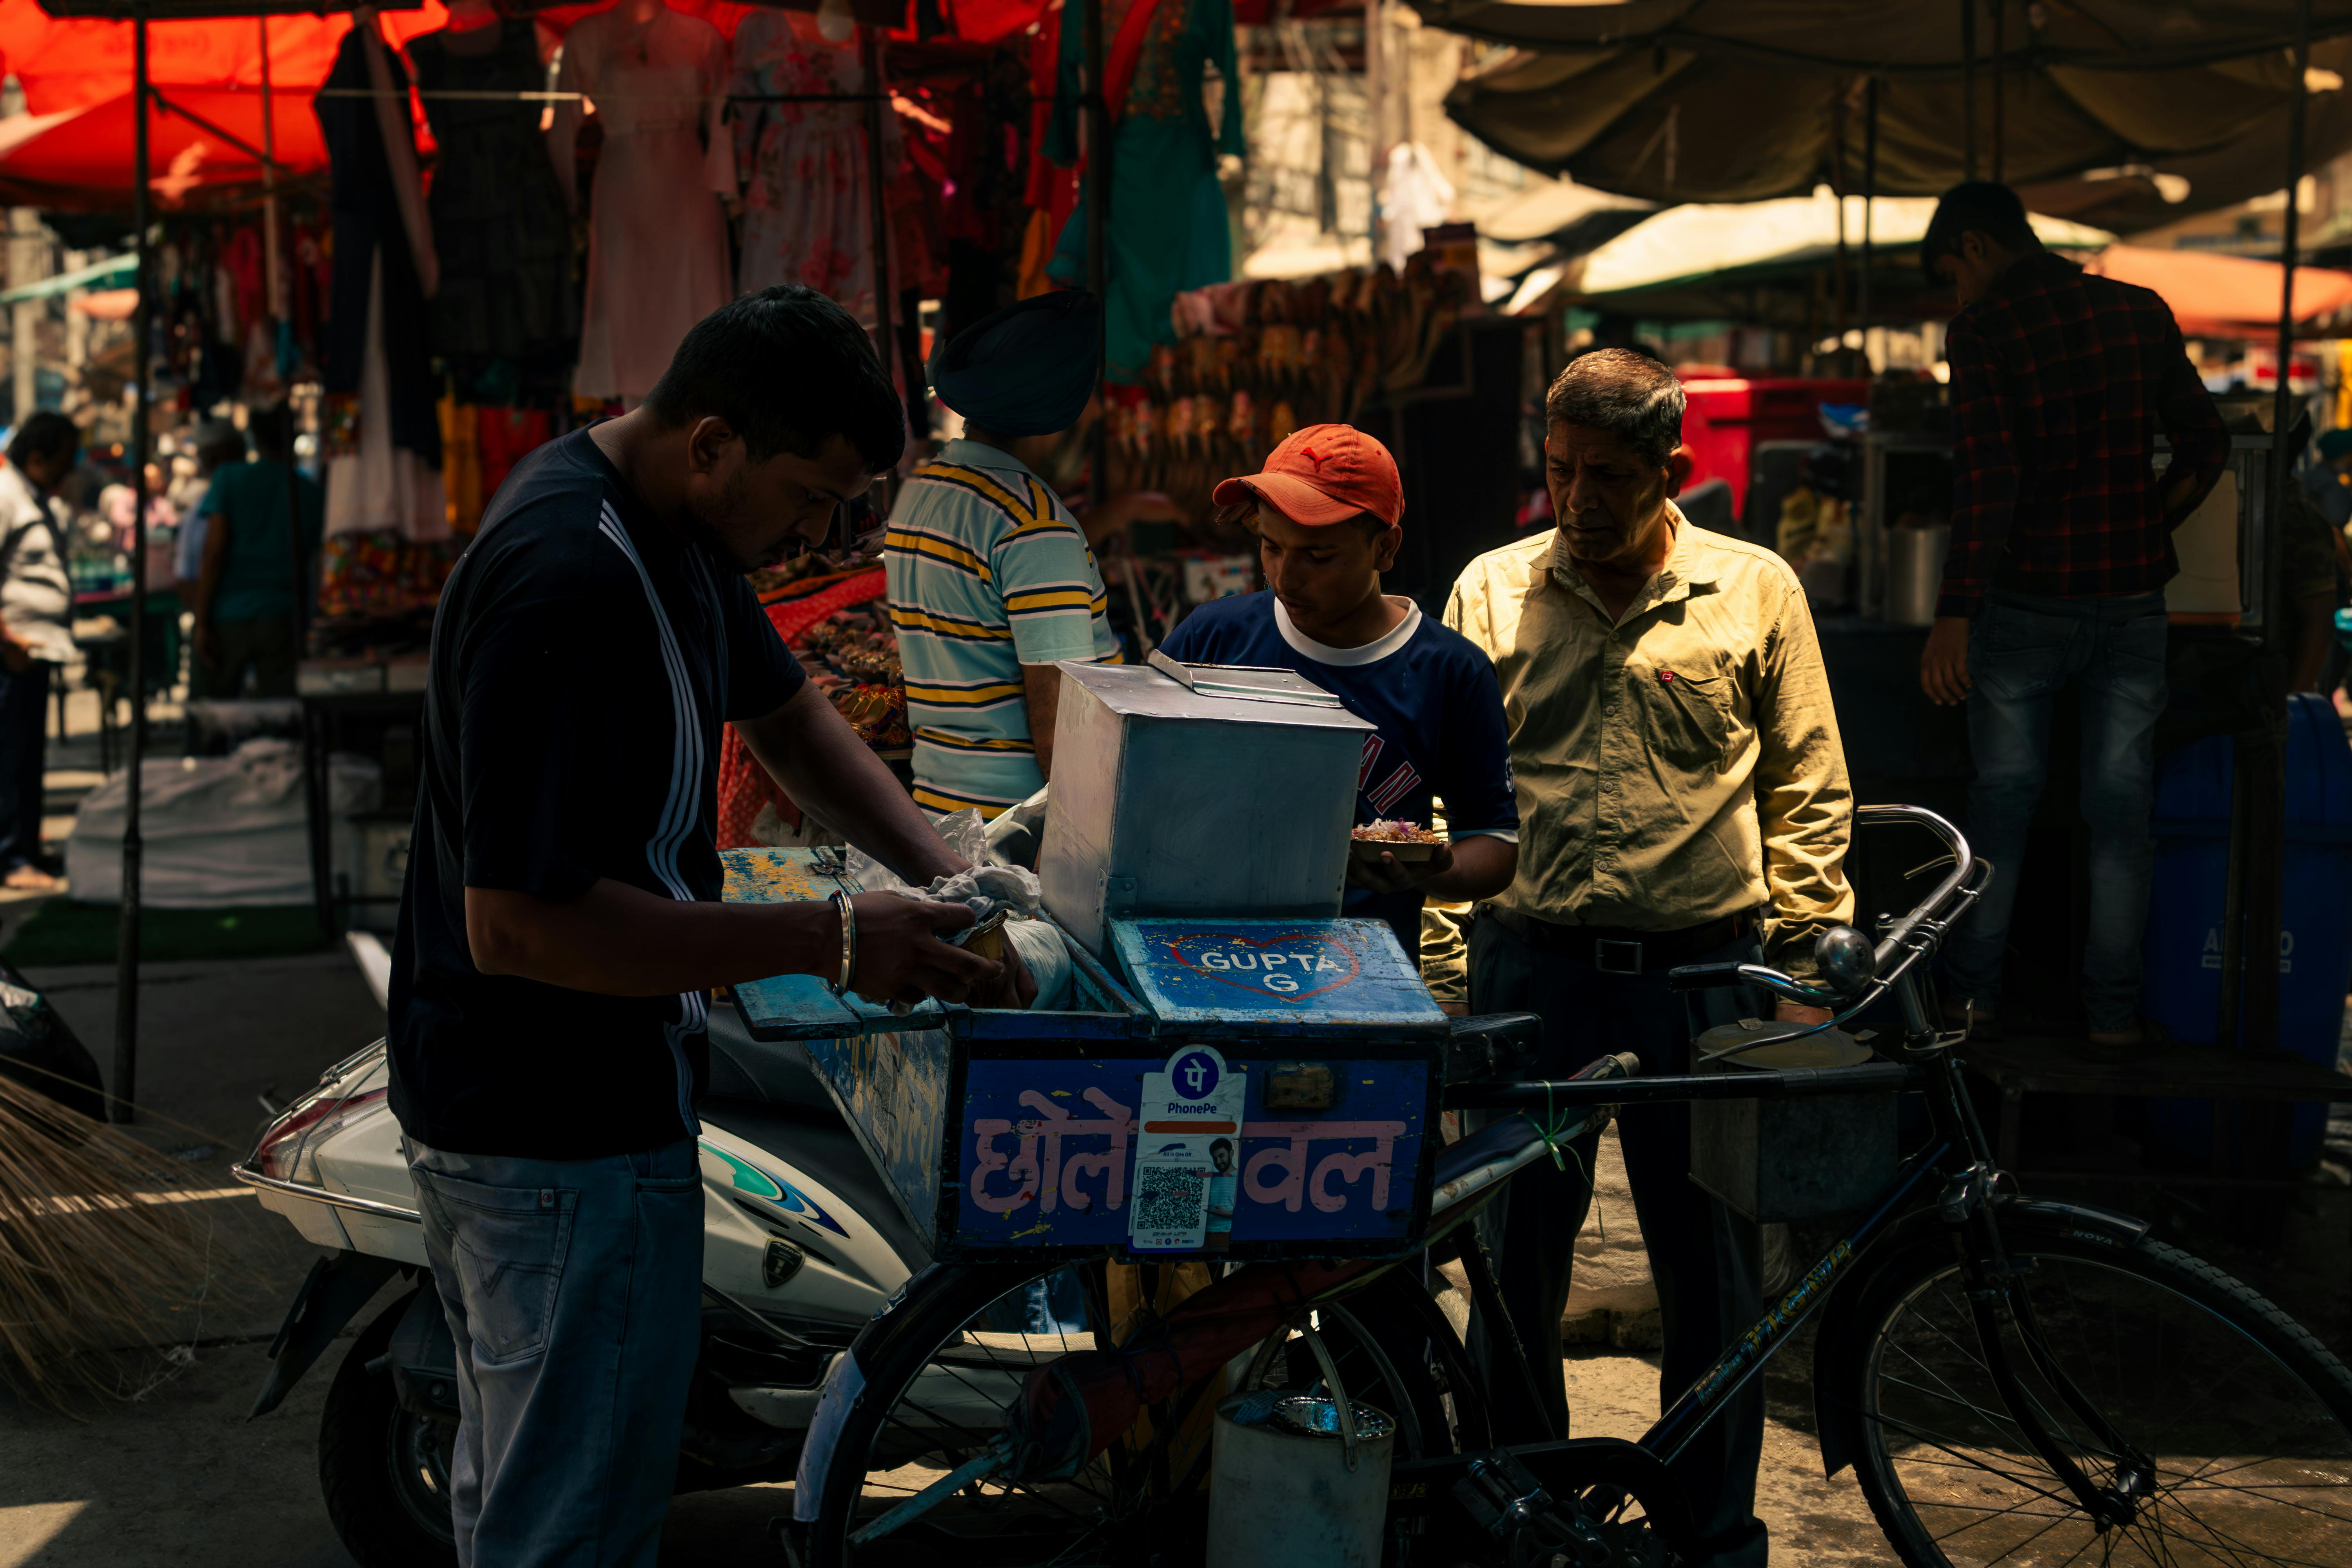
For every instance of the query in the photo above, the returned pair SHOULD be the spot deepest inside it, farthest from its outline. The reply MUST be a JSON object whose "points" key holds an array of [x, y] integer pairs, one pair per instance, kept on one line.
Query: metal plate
{"points": [[1274, 978]]}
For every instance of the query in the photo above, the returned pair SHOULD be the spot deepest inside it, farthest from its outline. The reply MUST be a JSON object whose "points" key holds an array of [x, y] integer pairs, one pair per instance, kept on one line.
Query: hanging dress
{"points": [[657, 235], [499, 222], [1168, 230], [376, 343], [808, 213]]}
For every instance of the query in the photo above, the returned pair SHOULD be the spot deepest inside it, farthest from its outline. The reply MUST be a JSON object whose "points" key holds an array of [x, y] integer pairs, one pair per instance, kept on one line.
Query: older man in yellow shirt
{"points": [[1683, 799]]}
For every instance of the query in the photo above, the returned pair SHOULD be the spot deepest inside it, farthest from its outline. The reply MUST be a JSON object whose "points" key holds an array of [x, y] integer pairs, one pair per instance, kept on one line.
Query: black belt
{"points": [[1612, 951]]}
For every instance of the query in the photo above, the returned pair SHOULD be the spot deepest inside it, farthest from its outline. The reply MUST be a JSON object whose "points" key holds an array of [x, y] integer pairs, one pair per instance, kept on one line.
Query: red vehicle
{"points": [[1729, 417]]}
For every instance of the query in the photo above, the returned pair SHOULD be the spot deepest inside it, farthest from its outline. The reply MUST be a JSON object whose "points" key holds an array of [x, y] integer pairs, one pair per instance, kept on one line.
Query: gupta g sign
{"points": [[1261, 975]]}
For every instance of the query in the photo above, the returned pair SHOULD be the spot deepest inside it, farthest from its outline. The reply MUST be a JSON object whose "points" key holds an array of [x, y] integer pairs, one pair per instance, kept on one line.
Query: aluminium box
{"points": [[1171, 802]]}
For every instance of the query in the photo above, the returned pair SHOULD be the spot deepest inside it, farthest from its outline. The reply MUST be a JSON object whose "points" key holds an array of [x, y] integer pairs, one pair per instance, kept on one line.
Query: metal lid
{"points": [[1137, 690], [1770, 1045]]}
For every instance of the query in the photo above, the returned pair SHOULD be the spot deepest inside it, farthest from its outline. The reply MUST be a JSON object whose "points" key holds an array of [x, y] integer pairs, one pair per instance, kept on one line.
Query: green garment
{"points": [[257, 580], [1167, 229]]}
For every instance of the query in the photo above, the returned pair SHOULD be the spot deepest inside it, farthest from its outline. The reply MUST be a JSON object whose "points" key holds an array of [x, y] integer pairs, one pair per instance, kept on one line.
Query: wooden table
{"points": [[2171, 1071]]}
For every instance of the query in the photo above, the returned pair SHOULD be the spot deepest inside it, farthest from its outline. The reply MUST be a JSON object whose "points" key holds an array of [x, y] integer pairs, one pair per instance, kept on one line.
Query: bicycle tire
{"points": [[2178, 1358], [933, 1315]]}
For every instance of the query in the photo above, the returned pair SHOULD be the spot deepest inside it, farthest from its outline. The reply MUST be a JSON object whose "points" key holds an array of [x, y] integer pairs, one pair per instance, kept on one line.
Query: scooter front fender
{"points": [[337, 1289]]}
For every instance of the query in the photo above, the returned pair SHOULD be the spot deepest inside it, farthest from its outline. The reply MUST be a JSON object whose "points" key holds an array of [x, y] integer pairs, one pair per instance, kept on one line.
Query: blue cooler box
{"points": [[2183, 953]]}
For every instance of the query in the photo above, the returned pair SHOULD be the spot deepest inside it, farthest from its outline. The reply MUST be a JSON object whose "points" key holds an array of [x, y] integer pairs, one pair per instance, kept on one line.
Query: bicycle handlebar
{"points": [[1963, 867], [1896, 947]]}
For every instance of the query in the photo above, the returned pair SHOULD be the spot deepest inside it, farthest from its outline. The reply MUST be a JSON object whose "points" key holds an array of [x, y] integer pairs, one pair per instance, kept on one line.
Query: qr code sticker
{"points": [[1169, 1197]]}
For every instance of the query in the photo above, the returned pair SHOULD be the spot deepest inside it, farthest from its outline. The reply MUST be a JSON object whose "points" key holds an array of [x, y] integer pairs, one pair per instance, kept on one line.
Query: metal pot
{"points": [[1915, 572]]}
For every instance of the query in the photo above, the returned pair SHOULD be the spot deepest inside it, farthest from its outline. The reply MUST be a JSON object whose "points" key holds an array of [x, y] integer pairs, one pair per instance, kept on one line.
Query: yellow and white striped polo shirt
{"points": [[988, 572]]}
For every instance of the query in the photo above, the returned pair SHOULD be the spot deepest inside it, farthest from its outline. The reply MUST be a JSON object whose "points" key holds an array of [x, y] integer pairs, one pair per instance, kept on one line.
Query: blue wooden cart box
{"points": [[1008, 1134]]}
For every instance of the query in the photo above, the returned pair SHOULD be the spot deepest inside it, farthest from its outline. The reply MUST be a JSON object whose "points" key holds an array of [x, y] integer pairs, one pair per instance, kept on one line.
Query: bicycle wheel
{"points": [[2226, 1425], [944, 1384]]}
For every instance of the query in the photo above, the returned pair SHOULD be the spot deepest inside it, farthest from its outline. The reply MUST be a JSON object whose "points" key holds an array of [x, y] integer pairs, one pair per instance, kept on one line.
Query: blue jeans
{"points": [[573, 1289], [2023, 651]]}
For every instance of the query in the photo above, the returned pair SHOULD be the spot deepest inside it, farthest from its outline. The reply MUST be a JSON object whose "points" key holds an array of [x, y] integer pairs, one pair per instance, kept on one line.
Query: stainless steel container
{"points": [[1915, 572], [1286, 1493], [1779, 1160], [1174, 802]]}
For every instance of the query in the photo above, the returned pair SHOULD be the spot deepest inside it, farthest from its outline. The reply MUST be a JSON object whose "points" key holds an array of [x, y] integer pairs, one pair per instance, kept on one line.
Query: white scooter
{"points": [[802, 1245]]}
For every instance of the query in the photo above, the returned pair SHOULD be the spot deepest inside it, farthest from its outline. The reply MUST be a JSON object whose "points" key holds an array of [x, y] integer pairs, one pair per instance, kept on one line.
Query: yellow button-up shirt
{"points": [[1677, 765]]}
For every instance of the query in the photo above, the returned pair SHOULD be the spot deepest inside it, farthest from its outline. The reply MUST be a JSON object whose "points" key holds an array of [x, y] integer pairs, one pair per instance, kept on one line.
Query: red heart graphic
{"points": [[1177, 945]]}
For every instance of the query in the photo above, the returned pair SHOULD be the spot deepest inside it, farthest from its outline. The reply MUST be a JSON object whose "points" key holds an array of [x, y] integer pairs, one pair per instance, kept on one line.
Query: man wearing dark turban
{"points": [[991, 581]]}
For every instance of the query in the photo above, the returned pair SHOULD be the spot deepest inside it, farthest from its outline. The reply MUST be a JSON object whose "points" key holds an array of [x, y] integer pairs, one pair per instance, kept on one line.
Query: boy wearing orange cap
{"points": [[1326, 512]]}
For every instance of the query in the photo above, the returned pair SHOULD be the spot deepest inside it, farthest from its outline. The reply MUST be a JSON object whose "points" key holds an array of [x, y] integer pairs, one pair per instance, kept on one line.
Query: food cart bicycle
{"points": [[2012, 1379]]}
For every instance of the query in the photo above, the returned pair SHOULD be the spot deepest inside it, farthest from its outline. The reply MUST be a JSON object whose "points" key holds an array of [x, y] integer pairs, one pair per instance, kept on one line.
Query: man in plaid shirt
{"points": [[2062, 544]]}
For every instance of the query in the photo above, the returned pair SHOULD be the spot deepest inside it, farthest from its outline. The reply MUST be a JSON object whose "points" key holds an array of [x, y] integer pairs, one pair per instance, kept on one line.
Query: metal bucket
{"points": [[1288, 1490], [1915, 572], [1780, 1160]]}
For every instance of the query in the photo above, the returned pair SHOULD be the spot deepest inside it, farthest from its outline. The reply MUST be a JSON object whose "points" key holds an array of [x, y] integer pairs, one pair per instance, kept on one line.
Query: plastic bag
{"points": [[984, 887], [1047, 959]]}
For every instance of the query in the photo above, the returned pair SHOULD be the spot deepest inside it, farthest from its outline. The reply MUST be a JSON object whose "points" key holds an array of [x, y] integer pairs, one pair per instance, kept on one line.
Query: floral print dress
{"points": [[807, 199]]}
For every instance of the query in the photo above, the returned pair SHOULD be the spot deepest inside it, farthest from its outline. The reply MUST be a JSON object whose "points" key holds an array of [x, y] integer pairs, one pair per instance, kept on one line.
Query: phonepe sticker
{"points": [[1188, 1154]]}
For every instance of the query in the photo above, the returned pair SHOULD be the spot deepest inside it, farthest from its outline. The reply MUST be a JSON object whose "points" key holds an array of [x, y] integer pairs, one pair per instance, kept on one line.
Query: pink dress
{"points": [[657, 234], [807, 213]]}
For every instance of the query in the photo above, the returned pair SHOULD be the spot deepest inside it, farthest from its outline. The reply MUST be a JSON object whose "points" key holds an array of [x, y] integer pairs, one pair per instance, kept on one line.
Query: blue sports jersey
{"points": [[1437, 711]]}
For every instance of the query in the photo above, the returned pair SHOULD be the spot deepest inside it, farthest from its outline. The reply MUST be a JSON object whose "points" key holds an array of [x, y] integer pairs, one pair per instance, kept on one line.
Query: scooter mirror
{"points": [[1847, 959]]}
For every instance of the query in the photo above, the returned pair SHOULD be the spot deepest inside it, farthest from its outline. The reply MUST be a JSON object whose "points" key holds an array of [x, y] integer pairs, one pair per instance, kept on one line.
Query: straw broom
{"points": [[90, 1262]]}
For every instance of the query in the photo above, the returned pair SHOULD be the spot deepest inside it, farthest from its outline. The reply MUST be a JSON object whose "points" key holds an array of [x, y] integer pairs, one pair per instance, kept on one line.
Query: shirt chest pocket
{"points": [[1690, 711]]}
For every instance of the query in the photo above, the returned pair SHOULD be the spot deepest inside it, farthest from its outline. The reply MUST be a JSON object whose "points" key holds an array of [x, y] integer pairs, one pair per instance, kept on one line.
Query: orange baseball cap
{"points": [[1324, 474]]}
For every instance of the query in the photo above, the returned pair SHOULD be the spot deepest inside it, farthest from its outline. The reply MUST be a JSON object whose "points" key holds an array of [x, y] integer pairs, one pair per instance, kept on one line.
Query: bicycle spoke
{"points": [[2260, 1495], [1921, 1435], [1998, 1420], [2021, 1545], [2191, 1393], [2219, 1534]]}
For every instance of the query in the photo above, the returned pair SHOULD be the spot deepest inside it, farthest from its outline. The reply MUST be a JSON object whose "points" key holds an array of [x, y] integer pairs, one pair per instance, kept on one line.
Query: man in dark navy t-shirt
{"points": [[560, 935], [1326, 513]]}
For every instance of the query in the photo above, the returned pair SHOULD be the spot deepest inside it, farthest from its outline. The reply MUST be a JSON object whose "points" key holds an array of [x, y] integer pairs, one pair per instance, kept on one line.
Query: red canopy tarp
{"points": [[73, 64], [2216, 296], [72, 149], [213, 68], [81, 158], [56, 157]]}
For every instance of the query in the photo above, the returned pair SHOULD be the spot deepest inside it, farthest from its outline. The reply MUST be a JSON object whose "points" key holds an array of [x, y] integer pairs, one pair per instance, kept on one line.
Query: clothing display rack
{"points": [[147, 99]]}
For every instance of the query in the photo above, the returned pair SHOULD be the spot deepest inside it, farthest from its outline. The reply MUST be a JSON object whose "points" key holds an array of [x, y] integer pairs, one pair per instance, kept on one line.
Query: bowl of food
{"points": [[1408, 841]]}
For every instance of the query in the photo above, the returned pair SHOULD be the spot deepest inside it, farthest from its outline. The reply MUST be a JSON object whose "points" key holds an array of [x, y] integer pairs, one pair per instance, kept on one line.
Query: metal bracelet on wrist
{"points": [[840, 901]]}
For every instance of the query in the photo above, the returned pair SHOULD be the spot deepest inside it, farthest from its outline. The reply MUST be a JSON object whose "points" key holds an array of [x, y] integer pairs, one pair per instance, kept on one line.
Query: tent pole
{"points": [[878, 197], [294, 622], [1837, 189], [2266, 818], [1969, 85], [125, 1085], [1097, 192], [1999, 80], [1375, 85], [271, 265], [1869, 194]]}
